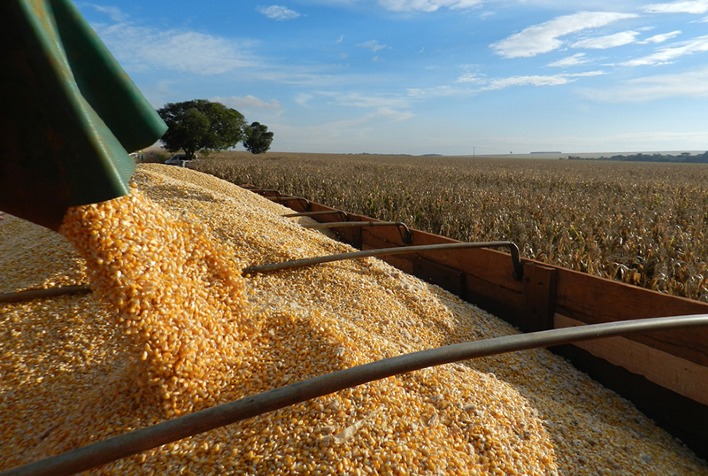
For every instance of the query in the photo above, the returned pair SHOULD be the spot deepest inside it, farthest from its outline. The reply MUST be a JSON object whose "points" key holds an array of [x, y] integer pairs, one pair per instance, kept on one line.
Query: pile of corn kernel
{"points": [[172, 327]]}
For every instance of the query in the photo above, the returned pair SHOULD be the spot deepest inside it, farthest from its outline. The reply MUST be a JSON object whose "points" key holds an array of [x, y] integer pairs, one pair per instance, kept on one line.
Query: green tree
{"points": [[258, 138], [201, 125]]}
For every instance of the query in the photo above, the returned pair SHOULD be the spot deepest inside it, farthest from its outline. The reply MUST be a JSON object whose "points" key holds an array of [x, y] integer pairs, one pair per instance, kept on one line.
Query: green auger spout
{"points": [[69, 114]]}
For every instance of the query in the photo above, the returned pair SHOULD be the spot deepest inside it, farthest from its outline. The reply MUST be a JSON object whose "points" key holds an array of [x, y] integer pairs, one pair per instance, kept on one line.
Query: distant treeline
{"points": [[684, 157]]}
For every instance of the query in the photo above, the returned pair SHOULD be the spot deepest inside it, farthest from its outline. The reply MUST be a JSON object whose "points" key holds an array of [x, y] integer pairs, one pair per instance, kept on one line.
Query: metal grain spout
{"points": [[68, 113]]}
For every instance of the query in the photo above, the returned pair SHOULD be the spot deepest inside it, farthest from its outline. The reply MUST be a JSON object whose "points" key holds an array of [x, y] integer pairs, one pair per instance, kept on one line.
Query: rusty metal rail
{"points": [[287, 198], [341, 213], [403, 229], [43, 293], [514, 250], [263, 191]]}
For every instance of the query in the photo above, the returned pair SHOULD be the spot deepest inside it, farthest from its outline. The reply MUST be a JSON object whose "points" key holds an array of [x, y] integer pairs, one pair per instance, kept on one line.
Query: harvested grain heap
{"points": [[173, 327]]}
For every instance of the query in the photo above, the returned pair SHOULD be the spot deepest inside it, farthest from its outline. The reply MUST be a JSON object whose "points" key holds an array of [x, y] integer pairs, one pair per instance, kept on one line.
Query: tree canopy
{"points": [[201, 125], [258, 139]]}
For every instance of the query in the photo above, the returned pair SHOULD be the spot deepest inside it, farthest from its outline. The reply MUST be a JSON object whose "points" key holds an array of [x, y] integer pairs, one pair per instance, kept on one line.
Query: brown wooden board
{"points": [[448, 278], [486, 280], [662, 368], [539, 296], [486, 264], [594, 300]]}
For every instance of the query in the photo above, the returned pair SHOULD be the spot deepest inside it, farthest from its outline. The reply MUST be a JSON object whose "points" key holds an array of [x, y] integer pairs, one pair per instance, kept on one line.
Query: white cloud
{"points": [[607, 41], [368, 101], [660, 38], [394, 114], [525, 80], [574, 60], [144, 48], [277, 12], [688, 84], [114, 13], [693, 6], [426, 5], [472, 78], [372, 45], [303, 99], [249, 102], [671, 53], [434, 92], [547, 36], [530, 80]]}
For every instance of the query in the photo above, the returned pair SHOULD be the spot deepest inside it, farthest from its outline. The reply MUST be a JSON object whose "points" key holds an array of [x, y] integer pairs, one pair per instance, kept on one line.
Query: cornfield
{"points": [[645, 224]]}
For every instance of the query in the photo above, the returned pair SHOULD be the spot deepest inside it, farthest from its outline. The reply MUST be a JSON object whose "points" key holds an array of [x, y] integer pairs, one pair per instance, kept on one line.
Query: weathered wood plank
{"points": [[679, 375], [594, 300], [539, 296]]}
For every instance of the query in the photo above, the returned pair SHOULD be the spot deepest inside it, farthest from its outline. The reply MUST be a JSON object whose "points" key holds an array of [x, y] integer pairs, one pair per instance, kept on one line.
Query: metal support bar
{"points": [[286, 198], [515, 258], [264, 191], [143, 439], [28, 294], [402, 227], [341, 213]]}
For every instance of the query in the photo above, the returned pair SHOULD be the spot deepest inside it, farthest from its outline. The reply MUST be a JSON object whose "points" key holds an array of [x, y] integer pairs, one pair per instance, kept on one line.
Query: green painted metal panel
{"points": [[69, 114]]}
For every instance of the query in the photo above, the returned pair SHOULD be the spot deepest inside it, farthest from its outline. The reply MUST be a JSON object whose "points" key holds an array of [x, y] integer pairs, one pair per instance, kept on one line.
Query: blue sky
{"points": [[428, 76]]}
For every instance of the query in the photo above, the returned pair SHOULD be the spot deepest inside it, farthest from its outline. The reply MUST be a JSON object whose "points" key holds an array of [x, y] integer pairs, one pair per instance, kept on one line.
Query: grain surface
{"points": [[173, 327]]}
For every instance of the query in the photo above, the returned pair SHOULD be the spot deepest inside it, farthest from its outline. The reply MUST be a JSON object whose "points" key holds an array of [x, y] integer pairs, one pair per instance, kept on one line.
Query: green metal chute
{"points": [[69, 114]]}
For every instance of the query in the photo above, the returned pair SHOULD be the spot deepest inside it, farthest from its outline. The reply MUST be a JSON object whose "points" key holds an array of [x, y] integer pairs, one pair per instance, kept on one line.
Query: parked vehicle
{"points": [[178, 159]]}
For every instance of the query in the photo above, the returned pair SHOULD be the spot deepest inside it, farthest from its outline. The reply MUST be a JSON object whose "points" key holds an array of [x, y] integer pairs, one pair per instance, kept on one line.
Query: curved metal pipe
{"points": [[287, 198], [266, 192], [515, 256], [320, 212], [105, 451], [28, 294], [403, 229]]}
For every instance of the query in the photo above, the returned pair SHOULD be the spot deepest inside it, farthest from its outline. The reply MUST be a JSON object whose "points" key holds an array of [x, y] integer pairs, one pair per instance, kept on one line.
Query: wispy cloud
{"points": [[660, 38], [472, 78], [530, 80], [249, 102], [546, 37], [392, 108], [574, 60], [607, 41], [426, 5], [434, 92], [538, 80], [277, 12], [303, 99], [671, 53], [650, 88], [371, 101], [696, 7], [141, 48], [372, 45], [114, 13], [487, 84]]}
